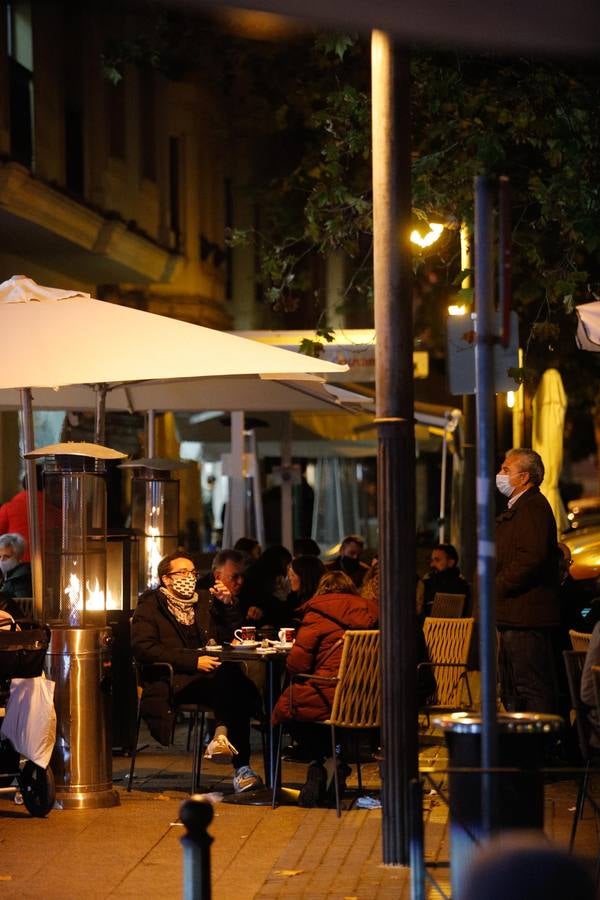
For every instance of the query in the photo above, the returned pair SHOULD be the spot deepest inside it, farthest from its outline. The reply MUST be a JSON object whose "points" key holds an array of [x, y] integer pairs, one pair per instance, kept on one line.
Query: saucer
{"points": [[282, 645], [246, 645]]}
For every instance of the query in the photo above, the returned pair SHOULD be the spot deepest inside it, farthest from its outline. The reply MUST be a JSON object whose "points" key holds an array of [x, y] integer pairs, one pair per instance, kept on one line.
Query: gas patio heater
{"points": [[154, 512], [75, 604]]}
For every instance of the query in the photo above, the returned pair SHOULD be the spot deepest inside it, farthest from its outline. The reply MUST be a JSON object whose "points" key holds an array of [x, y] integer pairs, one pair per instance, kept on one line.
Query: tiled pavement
{"points": [[133, 850]]}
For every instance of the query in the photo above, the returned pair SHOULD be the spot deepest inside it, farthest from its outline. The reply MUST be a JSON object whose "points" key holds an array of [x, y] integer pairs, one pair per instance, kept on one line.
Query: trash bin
{"points": [[518, 796], [79, 662]]}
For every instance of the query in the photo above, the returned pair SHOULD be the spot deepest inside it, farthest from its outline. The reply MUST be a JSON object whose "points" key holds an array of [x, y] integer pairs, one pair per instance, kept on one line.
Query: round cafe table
{"points": [[274, 662]]}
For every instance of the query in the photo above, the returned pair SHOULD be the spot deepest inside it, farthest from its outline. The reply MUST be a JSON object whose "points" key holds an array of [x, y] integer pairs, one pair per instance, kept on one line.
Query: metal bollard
{"points": [[196, 814]]}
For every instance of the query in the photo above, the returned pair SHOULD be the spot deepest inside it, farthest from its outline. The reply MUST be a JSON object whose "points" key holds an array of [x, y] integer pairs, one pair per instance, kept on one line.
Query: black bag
{"points": [[22, 653]]}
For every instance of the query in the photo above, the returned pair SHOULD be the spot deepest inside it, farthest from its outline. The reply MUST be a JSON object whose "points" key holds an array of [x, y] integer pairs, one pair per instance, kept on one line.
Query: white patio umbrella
{"points": [[588, 326], [549, 405], [63, 337]]}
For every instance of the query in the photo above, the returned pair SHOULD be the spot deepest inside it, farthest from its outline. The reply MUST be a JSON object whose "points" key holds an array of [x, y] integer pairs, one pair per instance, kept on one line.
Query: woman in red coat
{"points": [[336, 607]]}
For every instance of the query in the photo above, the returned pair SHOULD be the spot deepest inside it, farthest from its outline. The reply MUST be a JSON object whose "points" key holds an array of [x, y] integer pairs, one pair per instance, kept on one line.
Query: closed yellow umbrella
{"points": [[549, 405]]}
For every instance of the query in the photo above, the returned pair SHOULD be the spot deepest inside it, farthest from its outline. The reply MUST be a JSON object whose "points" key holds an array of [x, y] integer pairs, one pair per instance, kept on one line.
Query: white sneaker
{"points": [[220, 750], [245, 779]]}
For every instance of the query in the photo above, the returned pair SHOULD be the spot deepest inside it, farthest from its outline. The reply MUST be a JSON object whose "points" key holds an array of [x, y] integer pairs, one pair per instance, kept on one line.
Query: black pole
{"points": [[196, 814], [396, 438], [486, 485]]}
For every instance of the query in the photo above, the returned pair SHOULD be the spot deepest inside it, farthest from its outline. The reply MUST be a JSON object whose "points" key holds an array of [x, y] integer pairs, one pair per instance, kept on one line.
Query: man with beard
{"points": [[443, 578], [167, 627], [349, 560]]}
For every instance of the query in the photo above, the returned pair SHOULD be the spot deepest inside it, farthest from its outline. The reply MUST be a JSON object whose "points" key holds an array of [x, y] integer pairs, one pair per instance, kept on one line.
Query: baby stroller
{"points": [[23, 648]]}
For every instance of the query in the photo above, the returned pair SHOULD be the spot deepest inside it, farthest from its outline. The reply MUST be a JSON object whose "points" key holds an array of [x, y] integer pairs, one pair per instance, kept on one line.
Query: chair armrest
{"points": [[307, 676]]}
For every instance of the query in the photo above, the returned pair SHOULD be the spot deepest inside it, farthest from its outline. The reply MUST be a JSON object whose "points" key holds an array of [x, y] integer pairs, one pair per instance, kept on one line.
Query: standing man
{"points": [[527, 583]]}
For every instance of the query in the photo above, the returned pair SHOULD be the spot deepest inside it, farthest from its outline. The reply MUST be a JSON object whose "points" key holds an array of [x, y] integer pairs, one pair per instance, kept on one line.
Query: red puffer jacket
{"points": [[318, 650]]}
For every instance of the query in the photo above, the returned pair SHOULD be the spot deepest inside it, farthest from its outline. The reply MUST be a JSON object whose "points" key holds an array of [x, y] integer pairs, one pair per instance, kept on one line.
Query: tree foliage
{"points": [[305, 108]]}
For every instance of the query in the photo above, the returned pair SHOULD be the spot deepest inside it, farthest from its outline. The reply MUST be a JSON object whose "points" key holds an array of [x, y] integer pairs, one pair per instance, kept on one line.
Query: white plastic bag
{"points": [[30, 720]]}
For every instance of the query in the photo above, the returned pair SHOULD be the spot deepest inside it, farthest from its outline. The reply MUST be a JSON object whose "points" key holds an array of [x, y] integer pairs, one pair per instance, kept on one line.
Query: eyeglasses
{"points": [[184, 572]]}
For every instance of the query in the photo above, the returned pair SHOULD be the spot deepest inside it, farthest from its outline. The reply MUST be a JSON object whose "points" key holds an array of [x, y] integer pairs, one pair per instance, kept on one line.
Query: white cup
{"points": [[286, 635]]}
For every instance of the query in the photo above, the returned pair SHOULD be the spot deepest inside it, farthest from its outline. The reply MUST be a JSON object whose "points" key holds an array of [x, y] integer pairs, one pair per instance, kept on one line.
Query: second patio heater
{"points": [[154, 512]]}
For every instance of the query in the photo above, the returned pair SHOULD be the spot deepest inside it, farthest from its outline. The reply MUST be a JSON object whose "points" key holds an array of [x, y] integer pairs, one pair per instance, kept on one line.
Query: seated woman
{"points": [[304, 574], [16, 574], [336, 607], [167, 626]]}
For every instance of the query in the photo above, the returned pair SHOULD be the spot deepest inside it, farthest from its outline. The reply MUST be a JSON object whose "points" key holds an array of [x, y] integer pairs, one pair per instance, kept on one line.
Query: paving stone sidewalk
{"points": [[134, 850]]}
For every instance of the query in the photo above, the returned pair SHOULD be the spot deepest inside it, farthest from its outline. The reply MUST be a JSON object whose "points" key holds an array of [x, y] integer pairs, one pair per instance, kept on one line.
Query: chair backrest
{"points": [[357, 699], [448, 606], [580, 640], [574, 660], [448, 642]]}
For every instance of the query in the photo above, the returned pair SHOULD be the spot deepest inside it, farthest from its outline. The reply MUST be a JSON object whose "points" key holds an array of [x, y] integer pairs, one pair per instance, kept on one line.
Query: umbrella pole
{"points": [[35, 543], [100, 425]]}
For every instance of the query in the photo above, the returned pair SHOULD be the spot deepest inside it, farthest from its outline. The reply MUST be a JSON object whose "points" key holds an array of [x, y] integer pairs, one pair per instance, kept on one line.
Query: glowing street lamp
{"points": [[426, 240]]}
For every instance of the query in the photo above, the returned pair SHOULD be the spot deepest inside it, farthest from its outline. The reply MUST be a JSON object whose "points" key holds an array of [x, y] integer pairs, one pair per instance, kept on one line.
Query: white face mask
{"points": [[184, 585], [503, 484], [7, 565]]}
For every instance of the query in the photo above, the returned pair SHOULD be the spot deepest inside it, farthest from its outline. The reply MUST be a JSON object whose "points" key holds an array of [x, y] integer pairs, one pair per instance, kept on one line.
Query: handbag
{"points": [[22, 653]]}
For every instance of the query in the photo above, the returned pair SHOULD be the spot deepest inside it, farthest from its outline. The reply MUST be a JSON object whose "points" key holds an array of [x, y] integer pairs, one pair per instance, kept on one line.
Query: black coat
{"points": [[527, 564], [156, 636]]}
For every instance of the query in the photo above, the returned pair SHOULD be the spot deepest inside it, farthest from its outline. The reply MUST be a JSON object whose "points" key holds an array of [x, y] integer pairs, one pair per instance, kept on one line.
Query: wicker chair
{"points": [[448, 606], [574, 660], [580, 640], [357, 699], [448, 642]]}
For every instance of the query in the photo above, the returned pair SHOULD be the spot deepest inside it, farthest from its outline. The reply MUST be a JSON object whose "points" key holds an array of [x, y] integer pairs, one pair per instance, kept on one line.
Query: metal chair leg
{"points": [[336, 777], [277, 765], [198, 718], [134, 751], [578, 814]]}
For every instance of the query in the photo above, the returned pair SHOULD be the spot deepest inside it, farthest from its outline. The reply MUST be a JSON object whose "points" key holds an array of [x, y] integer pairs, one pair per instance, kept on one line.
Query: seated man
{"points": [[16, 574], [167, 627], [349, 560], [444, 578]]}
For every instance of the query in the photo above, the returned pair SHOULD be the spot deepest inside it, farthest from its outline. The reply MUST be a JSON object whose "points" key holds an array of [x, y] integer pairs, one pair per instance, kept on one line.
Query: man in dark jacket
{"points": [[349, 560], [168, 626], [444, 578], [526, 586]]}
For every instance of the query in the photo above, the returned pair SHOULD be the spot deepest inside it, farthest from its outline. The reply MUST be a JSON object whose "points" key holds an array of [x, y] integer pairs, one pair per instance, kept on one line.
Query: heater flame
{"points": [[153, 556], [94, 601]]}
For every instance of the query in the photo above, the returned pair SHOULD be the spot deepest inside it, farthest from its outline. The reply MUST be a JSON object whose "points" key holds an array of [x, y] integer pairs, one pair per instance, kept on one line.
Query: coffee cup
{"points": [[286, 635], [246, 634]]}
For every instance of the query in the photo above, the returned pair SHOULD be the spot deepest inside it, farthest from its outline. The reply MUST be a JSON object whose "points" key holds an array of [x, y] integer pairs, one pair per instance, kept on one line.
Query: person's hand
{"points": [[221, 593], [254, 613], [207, 663]]}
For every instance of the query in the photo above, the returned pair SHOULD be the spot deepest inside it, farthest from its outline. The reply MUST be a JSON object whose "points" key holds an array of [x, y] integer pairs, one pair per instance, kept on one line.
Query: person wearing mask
{"points": [[167, 627], [444, 578], [16, 574], [14, 514], [349, 560], [527, 581]]}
